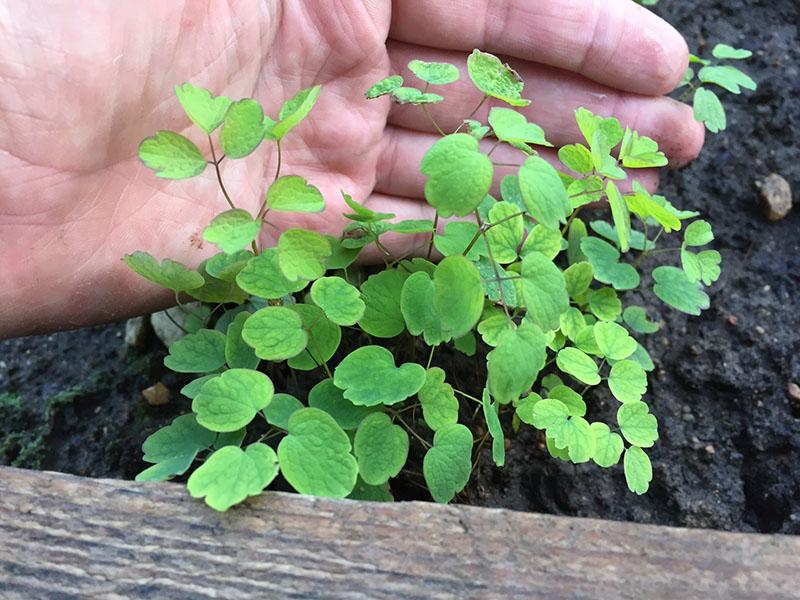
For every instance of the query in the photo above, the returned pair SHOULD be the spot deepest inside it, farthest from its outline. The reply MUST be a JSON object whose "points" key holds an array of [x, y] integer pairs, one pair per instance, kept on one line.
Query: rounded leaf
{"points": [[198, 352], [230, 401], [447, 465], [439, 402], [381, 448], [324, 337], [614, 340], [302, 254], [232, 230], [435, 73], [326, 396], [627, 381], [243, 128], [172, 156], [638, 470], [457, 295], [295, 110], [495, 79], [578, 364], [369, 377], [292, 193], [205, 110], [262, 277], [275, 333], [638, 426], [608, 446], [340, 301]]}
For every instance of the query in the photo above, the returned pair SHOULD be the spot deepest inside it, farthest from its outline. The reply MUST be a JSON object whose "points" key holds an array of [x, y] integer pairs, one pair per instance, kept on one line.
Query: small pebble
{"points": [[776, 194], [156, 395], [136, 332], [793, 391], [732, 320], [760, 330], [710, 449], [695, 349]]}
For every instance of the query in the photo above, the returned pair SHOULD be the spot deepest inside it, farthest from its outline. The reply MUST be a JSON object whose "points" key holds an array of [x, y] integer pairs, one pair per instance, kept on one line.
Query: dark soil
{"points": [[729, 452]]}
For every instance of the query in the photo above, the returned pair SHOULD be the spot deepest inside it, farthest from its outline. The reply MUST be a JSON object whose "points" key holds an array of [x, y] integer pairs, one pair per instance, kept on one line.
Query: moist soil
{"points": [[728, 456]]}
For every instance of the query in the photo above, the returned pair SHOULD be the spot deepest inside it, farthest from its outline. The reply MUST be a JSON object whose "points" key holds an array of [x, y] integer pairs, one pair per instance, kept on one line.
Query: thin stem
{"points": [[493, 148], [262, 212], [432, 120], [430, 357], [500, 164], [482, 230], [174, 322], [433, 233], [572, 217], [473, 398], [472, 114], [216, 162], [411, 430]]}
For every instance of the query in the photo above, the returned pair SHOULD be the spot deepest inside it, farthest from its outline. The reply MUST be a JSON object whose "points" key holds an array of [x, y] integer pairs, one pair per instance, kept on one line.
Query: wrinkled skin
{"points": [[81, 84]]}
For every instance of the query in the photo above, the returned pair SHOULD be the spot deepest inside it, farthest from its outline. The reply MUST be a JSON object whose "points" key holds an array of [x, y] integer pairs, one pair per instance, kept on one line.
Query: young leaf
{"points": [[495, 429], [701, 267], [605, 304], [549, 414], [263, 277], [340, 257], [275, 333], [295, 110], [543, 193], [709, 110], [205, 110], [315, 457], [439, 403], [627, 381], [459, 176], [575, 235], [544, 290], [676, 289], [232, 230], [544, 240], [576, 435], [384, 87], [643, 205], [495, 79], [231, 474], [636, 318], [381, 448], [578, 364], [326, 396], [572, 322], [169, 274], [361, 213], [410, 95], [457, 295], [570, 398], [724, 51], [515, 362], [698, 233], [341, 301], [457, 236], [383, 316], [174, 448], [727, 77], [505, 237], [198, 352], [227, 266], [638, 470], [608, 446], [638, 426], [416, 304], [477, 129], [620, 214], [230, 401], [609, 128], [447, 465], [578, 277], [607, 268], [302, 254], [243, 128], [280, 409], [238, 354], [371, 493], [640, 152], [292, 193], [435, 73], [512, 127], [172, 156], [324, 337], [369, 377], [614, 340], [217, 291], [577, 158]]}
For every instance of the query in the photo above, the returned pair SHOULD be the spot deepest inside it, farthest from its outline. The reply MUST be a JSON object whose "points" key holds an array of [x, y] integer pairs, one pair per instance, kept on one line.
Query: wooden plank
{"points": [[68, 537]]}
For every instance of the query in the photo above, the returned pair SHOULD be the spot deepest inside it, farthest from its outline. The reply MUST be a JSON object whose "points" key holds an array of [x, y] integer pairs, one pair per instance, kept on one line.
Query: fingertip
{"points": [[688, 139], [666, 52]]}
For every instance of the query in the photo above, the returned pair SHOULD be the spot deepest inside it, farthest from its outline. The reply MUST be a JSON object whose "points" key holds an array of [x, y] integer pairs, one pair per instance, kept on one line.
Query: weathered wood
{"points": [[67, 537]]}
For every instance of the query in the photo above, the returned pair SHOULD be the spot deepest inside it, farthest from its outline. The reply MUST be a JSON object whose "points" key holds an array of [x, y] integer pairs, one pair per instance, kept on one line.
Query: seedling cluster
{"points": [[523, 276]]}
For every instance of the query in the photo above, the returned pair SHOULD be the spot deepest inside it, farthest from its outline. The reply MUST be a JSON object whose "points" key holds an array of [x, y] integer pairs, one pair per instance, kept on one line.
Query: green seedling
{"points": [[521, 278]]}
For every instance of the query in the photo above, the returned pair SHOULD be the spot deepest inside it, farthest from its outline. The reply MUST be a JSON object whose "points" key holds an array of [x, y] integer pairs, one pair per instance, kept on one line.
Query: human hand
{"points": [[81, 89]]}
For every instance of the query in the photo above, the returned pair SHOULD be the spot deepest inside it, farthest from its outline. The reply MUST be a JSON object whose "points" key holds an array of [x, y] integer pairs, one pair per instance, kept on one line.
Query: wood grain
{"points": [[68, 537]]}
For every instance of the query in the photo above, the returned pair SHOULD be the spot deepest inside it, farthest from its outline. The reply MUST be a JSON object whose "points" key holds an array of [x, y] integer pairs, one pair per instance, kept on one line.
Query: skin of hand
{"points": [[81, 84]]}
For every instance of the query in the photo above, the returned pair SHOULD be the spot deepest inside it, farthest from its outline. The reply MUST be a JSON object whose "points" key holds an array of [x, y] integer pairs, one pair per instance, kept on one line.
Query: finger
{"points": [[616, 42], [556, 95], [398, 171]]}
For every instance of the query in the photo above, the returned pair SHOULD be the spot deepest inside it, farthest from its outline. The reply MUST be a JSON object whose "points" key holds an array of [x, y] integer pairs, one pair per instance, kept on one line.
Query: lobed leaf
{"points": [[381, 448], [230, 401], [448, 464], [205, 110], [369, 377], [172, 156]]}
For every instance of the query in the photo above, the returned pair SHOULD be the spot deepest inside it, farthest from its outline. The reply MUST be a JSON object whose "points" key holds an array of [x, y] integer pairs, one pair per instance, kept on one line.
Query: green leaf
{"points": [[230, 438], [217, 291], [642, 358], [578, 277], [614, 340], [575, 235], [457, 236], [243, 128], [515, 362], [512, 127], [280, 409], [577, 158], [576, 435], [698, 233], [466, 344], [544, 290], [544, 240], [549, 414], [435, 73], [544, 193], [492, 288], [459, 176], [640, 152], [709, 110], [230, 401], [636, 318], [175, 447], [204, 109], [363, 214], [578, 364], [643, 205], [439, 403], [608, 446], [477, 129], [326, 396], [169, 274], [263, 277], [416, 304], [505, 237], [198, 352], [232, 230], [605, 304], [172, 156], [495, 79], [410, 95], [676, 289], [727, 77], [238, 354], [638, 426], [231, 474], [191, 389], [292, 193], [341, 301], [620, 214], [609, 128], [371, 493], [607, 268], [324, 337], [381, 448], [585, 341], [491, 327], [384, 87], [570, 398], [412, 226], [369, 377], [302, 254], [295, 110], [227, 266], [457, 295], [315, 457], [340, 257], [724, 51], [638, 470], [627, 381], [275, 333], [608, 231], [448, 464], [701, 267], [524, 408], [572, 322], [495, 429], [383, 316], [585, 191]]}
